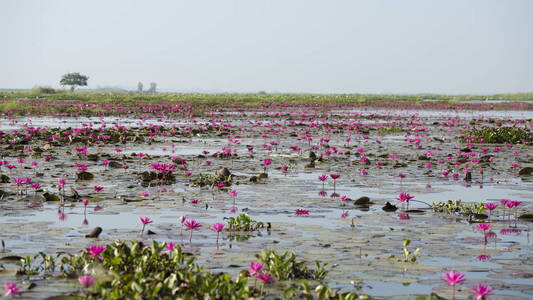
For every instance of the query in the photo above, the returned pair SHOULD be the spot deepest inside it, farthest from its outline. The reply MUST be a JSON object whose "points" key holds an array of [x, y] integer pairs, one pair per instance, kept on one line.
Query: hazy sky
{"points": [[325, 46]]}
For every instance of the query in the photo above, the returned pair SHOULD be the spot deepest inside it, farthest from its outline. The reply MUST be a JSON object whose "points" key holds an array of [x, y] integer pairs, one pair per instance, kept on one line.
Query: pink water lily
{"points": [[217, 227], [86, 281], [255, 268], [145, 221], [301, 212], [482, 291], [191, 225], [452, 278], [95, 251], [12, 290], [170, 246]]}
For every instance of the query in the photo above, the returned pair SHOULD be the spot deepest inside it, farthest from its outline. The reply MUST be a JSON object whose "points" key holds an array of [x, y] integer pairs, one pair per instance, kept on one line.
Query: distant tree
{"points": [[74, 79], [153, 87], [140, 87]]}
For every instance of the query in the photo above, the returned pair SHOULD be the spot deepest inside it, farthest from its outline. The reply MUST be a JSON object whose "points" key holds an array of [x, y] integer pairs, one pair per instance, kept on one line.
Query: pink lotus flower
{"points": [[483, 257], [98, 188], [453, 278], [12, 290], [301, 212], [403, 197], [86, 281], [255, 268], [265, 277], [483, 226], [363, 172], [481, 291], [334, 176], [217, 227], [96, 251], [145, 220], [490, 206], [170, 246], [323, 177], [267, 162], [182, 219], [192, 225]]}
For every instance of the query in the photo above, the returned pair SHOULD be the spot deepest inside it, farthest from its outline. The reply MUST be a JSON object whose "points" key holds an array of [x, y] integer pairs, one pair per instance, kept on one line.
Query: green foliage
{"points": [[243, 222], [202, 180], [25, 267], [285, 266], [320, 292], [456, 206], [259, 99], [408, 256], [499, 135], [131, 270], [42, 90], [74, 79], [390, 130]]}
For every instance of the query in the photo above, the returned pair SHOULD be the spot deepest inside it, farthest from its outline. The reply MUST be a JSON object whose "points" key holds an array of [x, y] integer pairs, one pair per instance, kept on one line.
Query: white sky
{"points": [[373, 46]]}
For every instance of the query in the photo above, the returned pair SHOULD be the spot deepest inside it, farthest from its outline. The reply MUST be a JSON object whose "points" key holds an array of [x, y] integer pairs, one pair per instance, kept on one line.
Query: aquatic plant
{"points": [[12, 290], [266, 163], [285, 266], [323, 178], [86, 281], [407, 255], [134, 270], [192, 225], [452, 278], [405, 197], [490, 207], [484, 227], [217, 227], [243, 222], [482, 291], [499, 135], [334, 177], [95, 251], [145, 221], [301, 212]]}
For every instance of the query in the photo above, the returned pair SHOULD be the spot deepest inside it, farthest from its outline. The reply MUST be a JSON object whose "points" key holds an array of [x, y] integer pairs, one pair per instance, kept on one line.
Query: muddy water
{"points": [[364, 243]]}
